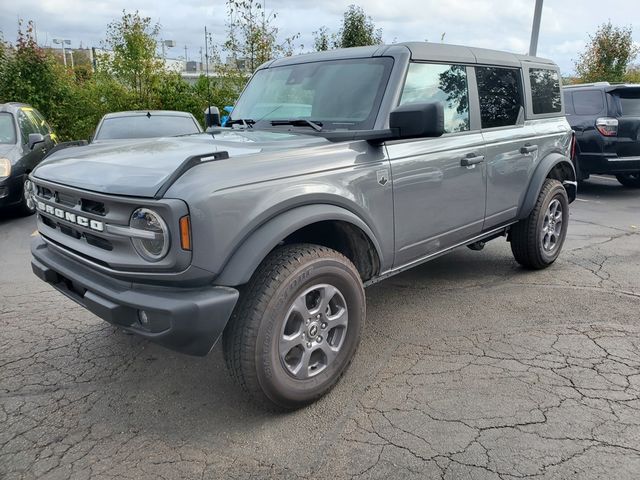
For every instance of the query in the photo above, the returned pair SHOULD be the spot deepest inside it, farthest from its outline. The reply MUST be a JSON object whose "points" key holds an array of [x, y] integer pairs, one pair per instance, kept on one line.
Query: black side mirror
{"points": [[417, 120], [34, 139], [211, 117]]}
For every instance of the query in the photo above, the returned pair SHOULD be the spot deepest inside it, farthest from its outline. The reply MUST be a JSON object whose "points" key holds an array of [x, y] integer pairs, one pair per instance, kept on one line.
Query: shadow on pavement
{"points": [[609, 188]]}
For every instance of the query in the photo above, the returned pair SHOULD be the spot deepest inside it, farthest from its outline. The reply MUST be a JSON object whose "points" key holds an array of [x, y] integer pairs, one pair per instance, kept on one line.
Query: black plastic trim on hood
{"points": [[189, 163]]}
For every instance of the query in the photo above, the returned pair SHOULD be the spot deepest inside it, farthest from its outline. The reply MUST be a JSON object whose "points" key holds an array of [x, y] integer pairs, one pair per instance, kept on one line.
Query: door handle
{"points": [[528, 148], [471, 159]]}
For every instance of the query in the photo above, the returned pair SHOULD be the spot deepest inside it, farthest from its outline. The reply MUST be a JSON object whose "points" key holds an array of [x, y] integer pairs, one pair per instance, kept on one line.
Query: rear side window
{"points": [[630, 104], [588, 102], [545, 91], [500, 96], [428, 82], [568, 102]]}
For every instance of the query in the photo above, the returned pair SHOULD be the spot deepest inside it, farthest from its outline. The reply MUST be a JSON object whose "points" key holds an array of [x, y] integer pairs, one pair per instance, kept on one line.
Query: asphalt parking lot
{"points": [[470, 368]]}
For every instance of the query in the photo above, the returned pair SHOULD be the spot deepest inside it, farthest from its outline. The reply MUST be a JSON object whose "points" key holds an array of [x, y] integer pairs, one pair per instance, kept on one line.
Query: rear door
{"points": [[625, 105], [438, 200], [511, 145]]}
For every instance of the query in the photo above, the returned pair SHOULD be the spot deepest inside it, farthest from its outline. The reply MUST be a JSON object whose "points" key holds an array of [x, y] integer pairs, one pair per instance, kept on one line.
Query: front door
{"points": [[439, 184]]}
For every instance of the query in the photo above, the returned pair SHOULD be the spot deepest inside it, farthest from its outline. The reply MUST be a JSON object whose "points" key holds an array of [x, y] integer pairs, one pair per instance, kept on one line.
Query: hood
{"points": [[141, 167]]}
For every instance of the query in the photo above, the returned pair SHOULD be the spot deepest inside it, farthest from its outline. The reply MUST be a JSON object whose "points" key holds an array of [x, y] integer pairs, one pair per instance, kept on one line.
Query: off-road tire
{"points": [[250, 340], [525, 236], [631, 180]]}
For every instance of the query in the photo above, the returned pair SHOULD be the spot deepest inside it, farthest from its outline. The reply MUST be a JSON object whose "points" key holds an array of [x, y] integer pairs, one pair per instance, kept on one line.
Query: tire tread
{"points": [[523, 234], [239, 338]]}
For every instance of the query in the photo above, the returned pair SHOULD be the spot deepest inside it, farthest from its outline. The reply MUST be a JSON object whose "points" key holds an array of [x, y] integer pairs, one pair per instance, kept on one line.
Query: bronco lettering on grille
{"points": [[71, 217]]}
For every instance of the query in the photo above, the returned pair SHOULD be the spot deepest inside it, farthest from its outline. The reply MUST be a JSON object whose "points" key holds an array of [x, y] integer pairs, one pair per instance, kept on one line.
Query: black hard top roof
{"points": [[605, 86]]}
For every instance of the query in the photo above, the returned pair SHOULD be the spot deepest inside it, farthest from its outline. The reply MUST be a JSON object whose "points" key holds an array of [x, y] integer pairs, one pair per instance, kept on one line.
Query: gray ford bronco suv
{"points": [[336, 170]]}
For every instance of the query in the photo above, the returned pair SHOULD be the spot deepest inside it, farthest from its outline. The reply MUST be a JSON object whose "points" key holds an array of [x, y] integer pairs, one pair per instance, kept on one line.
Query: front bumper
{"points": [[599, 163], [11, 190], [188, 320]]}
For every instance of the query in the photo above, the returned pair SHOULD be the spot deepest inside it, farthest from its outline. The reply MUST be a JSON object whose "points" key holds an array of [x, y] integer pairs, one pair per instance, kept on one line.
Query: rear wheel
{"points": [[297, 326], [537, 240], [631, 180]]}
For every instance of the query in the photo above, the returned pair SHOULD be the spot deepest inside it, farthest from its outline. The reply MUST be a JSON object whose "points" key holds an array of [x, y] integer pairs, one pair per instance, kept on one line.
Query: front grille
{"points": [[91, 206], [93, 227]]}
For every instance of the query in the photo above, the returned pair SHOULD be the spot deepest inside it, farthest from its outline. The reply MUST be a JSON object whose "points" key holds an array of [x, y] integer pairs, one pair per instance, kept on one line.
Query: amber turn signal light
{"points": [[185, 233]]}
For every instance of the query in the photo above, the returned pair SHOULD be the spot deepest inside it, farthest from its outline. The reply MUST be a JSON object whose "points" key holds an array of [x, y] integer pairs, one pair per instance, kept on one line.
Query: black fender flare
{"points": [[246, 258], [545, 166]]}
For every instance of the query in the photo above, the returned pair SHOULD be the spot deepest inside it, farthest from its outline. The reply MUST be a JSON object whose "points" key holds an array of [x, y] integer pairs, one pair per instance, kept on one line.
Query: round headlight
{"points": [[156, 246]]}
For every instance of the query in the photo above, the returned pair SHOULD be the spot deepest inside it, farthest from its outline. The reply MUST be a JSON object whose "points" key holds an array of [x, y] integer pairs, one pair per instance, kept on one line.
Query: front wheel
{"points": [[536, 241], [297, 326], [631, 180], [27, 205]]}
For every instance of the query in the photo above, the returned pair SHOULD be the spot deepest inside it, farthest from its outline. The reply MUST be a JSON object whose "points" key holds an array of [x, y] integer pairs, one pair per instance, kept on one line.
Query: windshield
{"points": [[7, 128], [340, 94], [630, 103], [146, 126]]}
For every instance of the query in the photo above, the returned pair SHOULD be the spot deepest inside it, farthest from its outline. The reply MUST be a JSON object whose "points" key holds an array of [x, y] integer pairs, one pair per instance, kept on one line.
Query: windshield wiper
{"points": [[299, 122], [245, 122]]}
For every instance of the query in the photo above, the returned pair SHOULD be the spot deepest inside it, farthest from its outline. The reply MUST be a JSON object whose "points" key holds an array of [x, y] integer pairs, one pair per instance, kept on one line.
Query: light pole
{"points": [[535, 28], [62, 43], [167, 44]]}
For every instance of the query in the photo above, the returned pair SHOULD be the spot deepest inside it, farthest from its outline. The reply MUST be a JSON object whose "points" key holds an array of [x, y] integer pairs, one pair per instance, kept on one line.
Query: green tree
{"points": [[31, 75], [358, 29], [607, 55], [321, 39], [132, 41], [252, 34], [633, 74]]}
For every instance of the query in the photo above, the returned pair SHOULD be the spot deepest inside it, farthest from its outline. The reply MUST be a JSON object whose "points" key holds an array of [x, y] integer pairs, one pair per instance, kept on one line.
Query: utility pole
{"points": [[206, 56], [62, 42], [535, 28]]}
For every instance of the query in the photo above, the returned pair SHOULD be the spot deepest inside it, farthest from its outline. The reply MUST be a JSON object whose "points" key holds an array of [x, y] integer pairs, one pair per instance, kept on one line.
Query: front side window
{"points": [[545, 90], [27, 126], [427, 82], [7, 128], [500, 96], [42, 124], [340, 94]]}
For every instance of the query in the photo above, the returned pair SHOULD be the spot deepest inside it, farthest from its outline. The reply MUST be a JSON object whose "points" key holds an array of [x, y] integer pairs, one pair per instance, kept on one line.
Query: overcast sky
{"points": [[498, 24]]}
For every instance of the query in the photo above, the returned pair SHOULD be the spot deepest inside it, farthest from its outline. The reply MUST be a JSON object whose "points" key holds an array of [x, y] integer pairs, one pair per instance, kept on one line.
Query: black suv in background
{"points": [[606, 119]]}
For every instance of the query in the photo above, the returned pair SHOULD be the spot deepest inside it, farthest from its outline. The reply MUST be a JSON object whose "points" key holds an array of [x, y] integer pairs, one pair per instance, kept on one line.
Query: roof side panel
{"points": [[495, 57], [426, 51]]}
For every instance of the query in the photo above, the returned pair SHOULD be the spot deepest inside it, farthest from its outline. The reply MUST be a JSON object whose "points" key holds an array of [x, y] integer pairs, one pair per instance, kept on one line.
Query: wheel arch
{"points": [[556, 166], [322, 224]]}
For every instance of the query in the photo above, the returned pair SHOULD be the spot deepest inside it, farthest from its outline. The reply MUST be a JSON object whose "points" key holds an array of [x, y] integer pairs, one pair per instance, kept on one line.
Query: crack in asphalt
{"points": [[540, 400]]}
